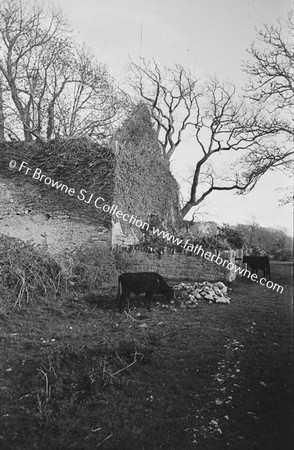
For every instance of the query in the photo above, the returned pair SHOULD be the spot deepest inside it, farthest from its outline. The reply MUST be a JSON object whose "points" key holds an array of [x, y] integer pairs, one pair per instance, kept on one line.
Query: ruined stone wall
{"points": [[33, 211], [172, 267], [54, 230]]}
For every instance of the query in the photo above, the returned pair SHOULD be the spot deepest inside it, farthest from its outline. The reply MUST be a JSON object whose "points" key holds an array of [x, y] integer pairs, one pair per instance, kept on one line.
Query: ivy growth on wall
{"points": [[144, 185], [78, 163]]}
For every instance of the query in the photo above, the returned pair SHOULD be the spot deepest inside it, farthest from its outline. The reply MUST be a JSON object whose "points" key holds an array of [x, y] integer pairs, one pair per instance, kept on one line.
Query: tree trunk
{"points": [[2, 116], [26, 121], [23, 111], [50, 124], [186, 209], [27, 134]]}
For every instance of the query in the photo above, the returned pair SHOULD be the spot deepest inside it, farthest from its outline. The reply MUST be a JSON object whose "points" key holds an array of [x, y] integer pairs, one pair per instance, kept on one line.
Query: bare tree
{"points": [[271, 87], [218, 120], [2, 115], [26, 33], [224, 124], [172, 96], [90, 103], [53, 86], [271, 67]]}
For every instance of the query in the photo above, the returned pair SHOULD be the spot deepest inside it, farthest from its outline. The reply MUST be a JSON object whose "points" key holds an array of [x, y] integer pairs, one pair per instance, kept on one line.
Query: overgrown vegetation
{"points": [[92, 266], [225, 238], [27, 274], [258, 240], [144, 185], [77, 163], [275, 243]]}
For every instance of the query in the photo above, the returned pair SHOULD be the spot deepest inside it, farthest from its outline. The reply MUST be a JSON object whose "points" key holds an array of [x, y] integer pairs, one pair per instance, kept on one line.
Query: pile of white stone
{"points": [[191, 294]]}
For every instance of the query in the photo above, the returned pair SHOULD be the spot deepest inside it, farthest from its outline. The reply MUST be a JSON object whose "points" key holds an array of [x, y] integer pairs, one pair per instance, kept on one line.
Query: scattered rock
{"points": [[191, 294], [214, 423]]}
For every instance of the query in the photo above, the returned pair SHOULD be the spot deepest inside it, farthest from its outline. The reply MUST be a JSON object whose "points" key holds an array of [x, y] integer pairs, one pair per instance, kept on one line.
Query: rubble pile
{"points": [[191, 294]]}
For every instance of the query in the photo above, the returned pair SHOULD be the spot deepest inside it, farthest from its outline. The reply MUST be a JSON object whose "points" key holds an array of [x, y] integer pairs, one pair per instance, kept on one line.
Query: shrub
{"points": [[26, 273], [232, 236], [92, 266], [123, 260]]}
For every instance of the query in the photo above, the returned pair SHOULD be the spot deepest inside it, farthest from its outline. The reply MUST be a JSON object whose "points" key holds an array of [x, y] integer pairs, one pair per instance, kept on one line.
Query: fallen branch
{"points": [[129, 315], [108, 437], [129, 365]]}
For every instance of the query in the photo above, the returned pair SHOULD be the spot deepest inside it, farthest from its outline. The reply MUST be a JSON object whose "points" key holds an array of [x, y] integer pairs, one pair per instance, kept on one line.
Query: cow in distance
{"points": [[257, 263]]}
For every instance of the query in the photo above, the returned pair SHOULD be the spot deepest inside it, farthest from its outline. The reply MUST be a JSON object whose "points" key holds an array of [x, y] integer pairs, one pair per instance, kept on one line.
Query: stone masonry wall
{"points": [[173, 267], [24, 216]]}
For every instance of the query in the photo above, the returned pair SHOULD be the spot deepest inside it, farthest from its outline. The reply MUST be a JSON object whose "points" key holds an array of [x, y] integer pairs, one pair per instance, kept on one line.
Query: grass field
{"points": [[76, 374]]}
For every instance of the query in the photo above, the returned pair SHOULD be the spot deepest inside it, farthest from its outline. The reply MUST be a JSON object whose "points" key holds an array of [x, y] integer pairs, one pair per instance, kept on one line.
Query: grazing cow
{"points": [[258, 262], [148, 283]]}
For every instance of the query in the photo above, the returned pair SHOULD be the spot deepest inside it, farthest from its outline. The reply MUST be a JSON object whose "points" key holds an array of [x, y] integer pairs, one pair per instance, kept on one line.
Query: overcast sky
{"points": [[206, 37]]}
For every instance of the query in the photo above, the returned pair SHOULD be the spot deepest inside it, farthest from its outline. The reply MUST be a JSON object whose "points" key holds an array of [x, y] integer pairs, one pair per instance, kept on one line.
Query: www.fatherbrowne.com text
{"points": [[100, 203]]}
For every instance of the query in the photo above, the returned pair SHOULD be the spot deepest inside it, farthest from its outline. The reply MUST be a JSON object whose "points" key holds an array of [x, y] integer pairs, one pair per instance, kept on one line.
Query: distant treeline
{"points": [[273, 242]]}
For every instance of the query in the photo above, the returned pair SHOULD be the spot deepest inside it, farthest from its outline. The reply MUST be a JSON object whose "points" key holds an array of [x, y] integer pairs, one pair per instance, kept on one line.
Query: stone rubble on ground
{"points": [[191, 294]]}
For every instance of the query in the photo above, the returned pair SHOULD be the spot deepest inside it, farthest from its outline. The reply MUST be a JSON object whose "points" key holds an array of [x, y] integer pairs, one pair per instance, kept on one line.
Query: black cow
{"points": [[148, 283], [258, 262]]}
